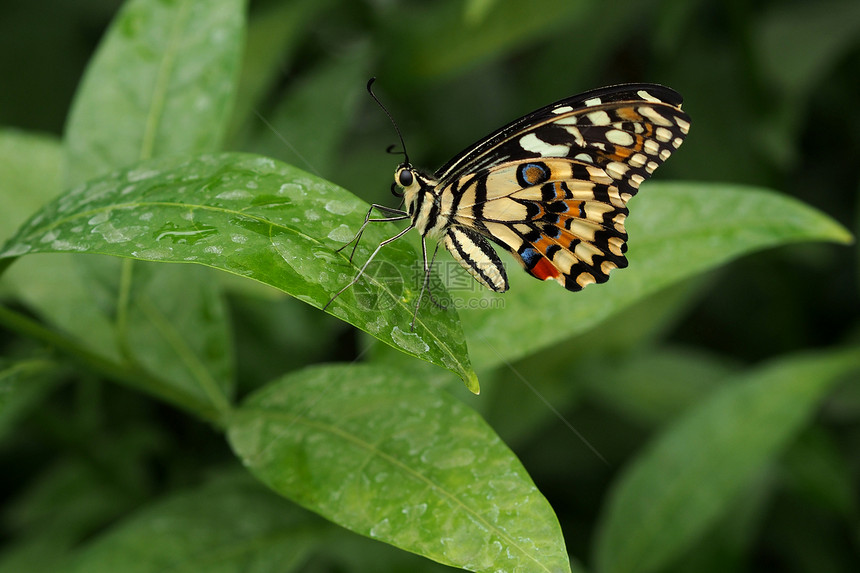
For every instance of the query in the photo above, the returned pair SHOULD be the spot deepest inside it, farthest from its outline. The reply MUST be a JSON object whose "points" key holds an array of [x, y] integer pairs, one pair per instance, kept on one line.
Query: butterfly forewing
{"points": [[517, 140], [552, 187]]}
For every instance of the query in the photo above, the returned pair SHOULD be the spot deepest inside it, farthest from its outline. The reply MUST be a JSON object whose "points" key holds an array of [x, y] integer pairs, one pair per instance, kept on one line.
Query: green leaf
{"points": [[50, 286], [382, 454], [184, 342], [691, 474], [345, 551], [656, 385], [224, 527], [162, 82], [677, 230], [257, 218], [53, 288]]}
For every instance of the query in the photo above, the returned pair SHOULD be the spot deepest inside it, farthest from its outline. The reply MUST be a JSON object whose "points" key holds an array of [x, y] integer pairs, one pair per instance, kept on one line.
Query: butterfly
{"points": [[551, 188]]}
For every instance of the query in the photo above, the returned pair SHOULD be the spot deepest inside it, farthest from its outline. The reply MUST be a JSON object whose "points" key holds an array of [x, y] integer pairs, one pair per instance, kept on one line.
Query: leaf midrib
{"points": [[160, 88]]}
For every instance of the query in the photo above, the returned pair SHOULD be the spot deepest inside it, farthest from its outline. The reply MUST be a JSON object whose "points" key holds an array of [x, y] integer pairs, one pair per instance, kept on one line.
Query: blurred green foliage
{"points": [[682, 417]]}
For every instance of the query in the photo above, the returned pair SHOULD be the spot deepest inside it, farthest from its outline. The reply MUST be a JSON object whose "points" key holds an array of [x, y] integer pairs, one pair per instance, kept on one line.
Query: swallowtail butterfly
{"points": [[551, 188]]}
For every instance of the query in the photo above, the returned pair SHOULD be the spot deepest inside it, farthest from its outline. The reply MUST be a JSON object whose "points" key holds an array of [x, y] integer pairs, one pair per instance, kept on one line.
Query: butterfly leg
{"points": [[398, 215], [435, 302], [367, 262], [426, 283]]}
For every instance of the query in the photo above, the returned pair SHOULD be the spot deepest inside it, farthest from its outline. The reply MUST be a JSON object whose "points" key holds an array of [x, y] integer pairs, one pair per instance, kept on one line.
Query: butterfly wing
{"points": [[552, 187]]}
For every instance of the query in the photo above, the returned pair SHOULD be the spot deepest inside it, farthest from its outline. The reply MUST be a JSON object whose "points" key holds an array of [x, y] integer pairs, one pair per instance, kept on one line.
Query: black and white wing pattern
{"points": [[552, 187]]}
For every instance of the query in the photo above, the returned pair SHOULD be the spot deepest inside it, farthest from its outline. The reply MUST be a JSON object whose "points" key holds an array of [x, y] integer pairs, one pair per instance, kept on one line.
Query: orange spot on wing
{"points": [[543, 244], [565, 238], [574, 207], [533, 174], [545, 270], [558, 190], [628, 114], [621, 153], [638, 143]]}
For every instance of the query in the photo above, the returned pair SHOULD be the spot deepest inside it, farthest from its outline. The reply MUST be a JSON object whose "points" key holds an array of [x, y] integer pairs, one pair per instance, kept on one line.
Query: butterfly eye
{"points": [[405, 178]]}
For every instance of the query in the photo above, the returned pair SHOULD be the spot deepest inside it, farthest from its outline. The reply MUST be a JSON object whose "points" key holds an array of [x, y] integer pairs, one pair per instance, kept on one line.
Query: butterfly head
{"points": [[403, 179], [406, 184], [412, 185]]}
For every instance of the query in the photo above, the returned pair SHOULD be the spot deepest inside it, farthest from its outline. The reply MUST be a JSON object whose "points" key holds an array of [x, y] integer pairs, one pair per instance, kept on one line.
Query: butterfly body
{"points": [[551, 188], [422, 200]]}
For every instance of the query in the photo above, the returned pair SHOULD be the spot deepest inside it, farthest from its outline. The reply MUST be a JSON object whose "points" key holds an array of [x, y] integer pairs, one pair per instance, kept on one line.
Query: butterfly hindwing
{"points": [[476, 255], [561, 227]]}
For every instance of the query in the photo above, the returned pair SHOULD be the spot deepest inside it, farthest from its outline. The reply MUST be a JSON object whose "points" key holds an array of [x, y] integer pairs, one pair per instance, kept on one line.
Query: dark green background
{"points": [[773, 92]]}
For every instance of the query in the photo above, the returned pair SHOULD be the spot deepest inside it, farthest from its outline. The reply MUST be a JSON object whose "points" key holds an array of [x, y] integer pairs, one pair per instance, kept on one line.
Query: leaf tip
{"points": [[844, 236], [471, 381]]}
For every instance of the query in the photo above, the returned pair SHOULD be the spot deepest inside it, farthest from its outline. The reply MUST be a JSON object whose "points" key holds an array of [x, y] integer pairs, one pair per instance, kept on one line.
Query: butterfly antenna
{"points": [[394, 123]]}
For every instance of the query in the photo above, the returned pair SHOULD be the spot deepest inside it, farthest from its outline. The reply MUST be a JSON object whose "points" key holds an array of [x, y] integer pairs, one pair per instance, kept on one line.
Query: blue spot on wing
{"points": [[530, 257]]}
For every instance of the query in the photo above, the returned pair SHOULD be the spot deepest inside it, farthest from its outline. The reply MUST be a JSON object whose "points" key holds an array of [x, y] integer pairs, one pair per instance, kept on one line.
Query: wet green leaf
{"points": [[692, 473], [386, 456], [162, 82], [258, 218], [51, 286]]}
